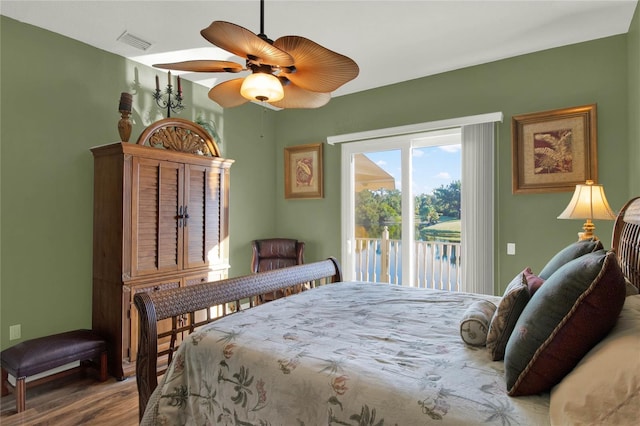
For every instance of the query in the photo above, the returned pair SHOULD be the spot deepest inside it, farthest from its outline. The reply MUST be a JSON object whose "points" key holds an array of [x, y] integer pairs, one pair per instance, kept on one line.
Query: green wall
{"points": [[59, 98], [49, 120], [633, 47], [594, 72], [252, 203]]}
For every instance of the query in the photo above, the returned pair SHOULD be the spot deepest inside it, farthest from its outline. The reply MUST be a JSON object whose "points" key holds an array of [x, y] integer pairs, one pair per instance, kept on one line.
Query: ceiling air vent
{"points": [[131, 40]]}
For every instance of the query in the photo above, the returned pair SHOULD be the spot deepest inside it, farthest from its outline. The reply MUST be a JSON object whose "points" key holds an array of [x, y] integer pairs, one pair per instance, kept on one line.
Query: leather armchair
{"points": [[275, 253]]}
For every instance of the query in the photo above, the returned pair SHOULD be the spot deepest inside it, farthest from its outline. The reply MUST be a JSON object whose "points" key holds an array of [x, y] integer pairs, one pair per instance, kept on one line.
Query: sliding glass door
{"points": [[474, 256], [390, 223]]}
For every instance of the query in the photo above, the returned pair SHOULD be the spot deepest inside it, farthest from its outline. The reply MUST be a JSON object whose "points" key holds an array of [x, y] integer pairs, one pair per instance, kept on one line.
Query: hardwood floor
{"points": [[76, 400]]}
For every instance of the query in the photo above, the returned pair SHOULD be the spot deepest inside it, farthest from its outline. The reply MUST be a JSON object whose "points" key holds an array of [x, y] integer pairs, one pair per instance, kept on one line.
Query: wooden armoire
{"points": [[160, 221]]}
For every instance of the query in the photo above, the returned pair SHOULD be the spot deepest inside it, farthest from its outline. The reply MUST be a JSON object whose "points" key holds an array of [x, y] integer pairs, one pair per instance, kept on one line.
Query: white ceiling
{"points": [[391, 40]]}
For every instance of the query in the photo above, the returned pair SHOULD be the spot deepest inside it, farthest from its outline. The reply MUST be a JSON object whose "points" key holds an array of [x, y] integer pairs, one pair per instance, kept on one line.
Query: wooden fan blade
{"points": [[202, 66], [227, 94], [242, 42], [297, 97], [317, 68]]}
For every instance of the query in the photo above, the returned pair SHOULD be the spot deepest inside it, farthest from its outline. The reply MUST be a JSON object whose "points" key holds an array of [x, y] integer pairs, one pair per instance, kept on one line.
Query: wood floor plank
{"points": [[75, 400]]}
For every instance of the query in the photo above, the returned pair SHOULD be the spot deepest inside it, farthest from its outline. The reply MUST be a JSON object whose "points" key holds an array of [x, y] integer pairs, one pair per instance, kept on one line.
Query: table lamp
{"points": [[588, 202]]}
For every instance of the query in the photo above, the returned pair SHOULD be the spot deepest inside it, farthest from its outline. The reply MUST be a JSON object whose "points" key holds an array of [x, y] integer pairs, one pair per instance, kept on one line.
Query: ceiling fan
{"points": [[292, 72]]}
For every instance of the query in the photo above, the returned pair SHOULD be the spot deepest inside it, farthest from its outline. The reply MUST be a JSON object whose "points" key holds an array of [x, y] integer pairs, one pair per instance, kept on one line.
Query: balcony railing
{"points": [[437, 264]]}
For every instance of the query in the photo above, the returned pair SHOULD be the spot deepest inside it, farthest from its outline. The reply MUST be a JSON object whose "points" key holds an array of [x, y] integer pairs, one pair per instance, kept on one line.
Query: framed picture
{"points": [[303, 171], [553, 151]]}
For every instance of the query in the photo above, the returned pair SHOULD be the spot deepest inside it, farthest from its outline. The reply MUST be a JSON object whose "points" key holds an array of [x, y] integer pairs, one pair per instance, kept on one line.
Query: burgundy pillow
{"points": [[513, 301], [533, 281], [574, 309]]}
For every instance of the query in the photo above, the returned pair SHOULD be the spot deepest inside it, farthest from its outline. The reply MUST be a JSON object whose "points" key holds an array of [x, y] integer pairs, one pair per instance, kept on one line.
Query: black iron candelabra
{"points": [[169, 100]]}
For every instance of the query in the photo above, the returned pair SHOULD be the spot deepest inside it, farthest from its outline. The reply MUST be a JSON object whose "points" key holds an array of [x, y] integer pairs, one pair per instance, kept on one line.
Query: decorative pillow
{"points": [[604, 388], [574, 309], [515, 298], [567, 254], [533, 281], [475, 322]]}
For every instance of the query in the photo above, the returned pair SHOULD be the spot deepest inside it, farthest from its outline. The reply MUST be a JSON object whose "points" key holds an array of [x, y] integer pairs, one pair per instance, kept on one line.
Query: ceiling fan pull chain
{"points": [[264, 112]]}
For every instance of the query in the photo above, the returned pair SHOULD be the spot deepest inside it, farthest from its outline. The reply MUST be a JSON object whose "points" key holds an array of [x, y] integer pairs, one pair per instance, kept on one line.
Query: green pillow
{"points": [[567, 254], [574, 309]]}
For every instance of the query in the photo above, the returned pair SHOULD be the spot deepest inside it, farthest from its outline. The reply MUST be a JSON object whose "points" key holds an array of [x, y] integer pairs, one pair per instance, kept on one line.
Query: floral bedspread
{"points": [[343, 354]]}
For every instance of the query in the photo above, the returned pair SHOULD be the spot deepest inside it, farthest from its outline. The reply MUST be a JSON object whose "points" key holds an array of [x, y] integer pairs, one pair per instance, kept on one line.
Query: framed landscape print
{"points": [[303, 171], [553, 151]]}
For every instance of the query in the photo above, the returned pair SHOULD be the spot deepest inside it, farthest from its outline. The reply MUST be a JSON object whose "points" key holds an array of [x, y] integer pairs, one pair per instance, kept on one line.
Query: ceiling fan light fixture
{"points": [[262, 87]]}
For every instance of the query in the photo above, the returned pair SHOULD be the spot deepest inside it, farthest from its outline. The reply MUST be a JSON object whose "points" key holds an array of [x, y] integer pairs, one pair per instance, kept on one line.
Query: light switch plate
{"points": [[511, 249], [14, 332]]}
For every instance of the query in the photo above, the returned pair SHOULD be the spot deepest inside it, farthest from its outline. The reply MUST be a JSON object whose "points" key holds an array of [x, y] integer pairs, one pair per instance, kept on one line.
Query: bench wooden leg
{"points": [[21, 394], [103, 366], [20, 390], [98, 364], [5, 379]]}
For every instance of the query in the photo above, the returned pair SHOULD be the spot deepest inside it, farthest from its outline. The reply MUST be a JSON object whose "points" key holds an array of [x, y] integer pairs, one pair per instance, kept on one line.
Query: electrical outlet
{"points": [[511, 249], [14, 332]]}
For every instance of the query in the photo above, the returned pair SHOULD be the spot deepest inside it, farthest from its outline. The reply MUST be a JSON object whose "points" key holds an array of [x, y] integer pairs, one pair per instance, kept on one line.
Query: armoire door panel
{"points": [[212, 218], [195, 230], [169, 232], [156, 199], [202, 231]]}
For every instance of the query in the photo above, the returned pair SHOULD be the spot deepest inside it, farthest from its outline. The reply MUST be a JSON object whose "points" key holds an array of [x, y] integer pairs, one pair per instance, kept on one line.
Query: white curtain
{"points": [[477, 202]]}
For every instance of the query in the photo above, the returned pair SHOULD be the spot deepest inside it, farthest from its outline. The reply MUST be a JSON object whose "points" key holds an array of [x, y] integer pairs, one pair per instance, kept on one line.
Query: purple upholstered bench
{"points": [[45, 353]]}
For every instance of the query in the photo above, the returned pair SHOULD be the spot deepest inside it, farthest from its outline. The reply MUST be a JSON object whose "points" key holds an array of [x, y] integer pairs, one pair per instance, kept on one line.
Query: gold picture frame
{"points": [[553, 151], [303, 172]]}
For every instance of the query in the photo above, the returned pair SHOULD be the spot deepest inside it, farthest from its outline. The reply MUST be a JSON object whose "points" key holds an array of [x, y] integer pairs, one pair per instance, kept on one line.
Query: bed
{"points": [[356, 353]]}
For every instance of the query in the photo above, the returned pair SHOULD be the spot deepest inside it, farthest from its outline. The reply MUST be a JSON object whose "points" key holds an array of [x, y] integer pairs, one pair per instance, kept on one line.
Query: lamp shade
{"points": [[262, 87], [588, 202]]}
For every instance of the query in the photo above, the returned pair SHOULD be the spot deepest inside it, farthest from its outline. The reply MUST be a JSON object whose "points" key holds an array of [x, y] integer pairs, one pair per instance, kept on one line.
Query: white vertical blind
{"points": [[477, 202]]}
